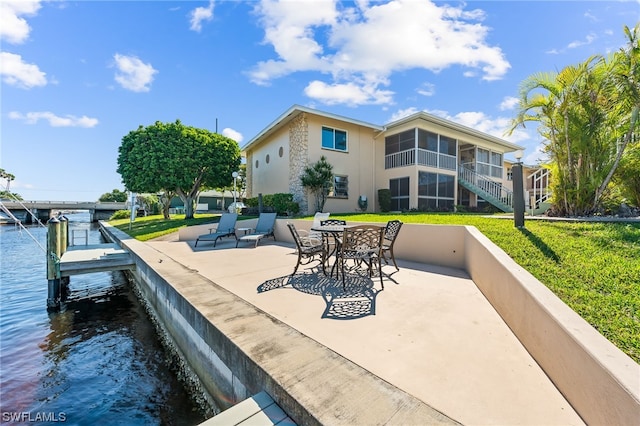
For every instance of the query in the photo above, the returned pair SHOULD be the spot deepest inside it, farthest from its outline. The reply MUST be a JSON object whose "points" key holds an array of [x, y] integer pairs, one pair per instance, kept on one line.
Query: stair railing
{"points": [[484, 183], [540, 186]]}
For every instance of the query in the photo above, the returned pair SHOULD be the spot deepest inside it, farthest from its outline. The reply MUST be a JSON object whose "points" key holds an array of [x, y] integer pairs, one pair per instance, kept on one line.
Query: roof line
{"points": [[301, 108]]}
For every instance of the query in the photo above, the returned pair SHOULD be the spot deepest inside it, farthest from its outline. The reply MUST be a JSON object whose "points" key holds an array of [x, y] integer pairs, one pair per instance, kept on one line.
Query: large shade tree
{"points": [[176, 159], [588, 115]]}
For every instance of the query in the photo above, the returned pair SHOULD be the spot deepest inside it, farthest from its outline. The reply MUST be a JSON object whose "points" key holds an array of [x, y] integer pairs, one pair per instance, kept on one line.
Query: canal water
{"points": [[97, 361]]}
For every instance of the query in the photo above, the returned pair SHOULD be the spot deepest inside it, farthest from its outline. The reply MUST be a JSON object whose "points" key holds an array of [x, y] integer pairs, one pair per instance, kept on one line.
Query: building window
{"points": [[257, 164], [280, 152], [340, 187], [427, 140], [436, 191], [496, 164], [400, 142], [334, 139], [267, 159], [399, 194]]}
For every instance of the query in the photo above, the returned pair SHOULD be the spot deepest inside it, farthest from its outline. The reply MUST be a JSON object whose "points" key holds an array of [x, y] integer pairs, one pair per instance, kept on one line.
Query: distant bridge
{"points": [[43, 210]]}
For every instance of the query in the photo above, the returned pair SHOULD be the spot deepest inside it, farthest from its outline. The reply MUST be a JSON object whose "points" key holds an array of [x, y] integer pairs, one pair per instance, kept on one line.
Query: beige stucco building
{"points": [[427, 162]]}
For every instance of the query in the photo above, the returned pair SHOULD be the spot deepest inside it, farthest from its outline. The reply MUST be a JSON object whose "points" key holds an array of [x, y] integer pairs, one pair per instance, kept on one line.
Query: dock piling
{"points": [[53, 263]]}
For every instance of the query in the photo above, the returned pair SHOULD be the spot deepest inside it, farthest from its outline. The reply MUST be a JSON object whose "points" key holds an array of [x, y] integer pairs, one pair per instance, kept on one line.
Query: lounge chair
{"points": [[226, 228], [264, 228]]}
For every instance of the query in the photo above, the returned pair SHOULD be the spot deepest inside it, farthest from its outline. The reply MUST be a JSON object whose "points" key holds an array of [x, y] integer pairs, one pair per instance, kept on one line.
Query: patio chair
{"points": [[311, 236], [363, 245], [226, 228], [264, 228], [390, 234], [307, 251]]}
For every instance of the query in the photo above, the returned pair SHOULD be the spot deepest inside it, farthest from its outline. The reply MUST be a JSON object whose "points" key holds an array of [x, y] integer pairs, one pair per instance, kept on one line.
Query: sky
{"points": [[78, 76]]}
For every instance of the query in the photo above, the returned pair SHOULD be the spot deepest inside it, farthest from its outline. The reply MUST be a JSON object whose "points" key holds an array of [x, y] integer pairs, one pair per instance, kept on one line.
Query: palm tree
{"points": [[318, 178], [588, 114]]}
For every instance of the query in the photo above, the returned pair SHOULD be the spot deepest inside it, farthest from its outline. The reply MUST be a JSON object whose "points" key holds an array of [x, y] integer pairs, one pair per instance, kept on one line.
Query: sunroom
{"points": [[433, 164]]}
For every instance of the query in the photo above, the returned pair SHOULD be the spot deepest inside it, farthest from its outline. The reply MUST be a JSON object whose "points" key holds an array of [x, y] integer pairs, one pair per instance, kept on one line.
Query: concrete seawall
{"points": [[601, 382]]}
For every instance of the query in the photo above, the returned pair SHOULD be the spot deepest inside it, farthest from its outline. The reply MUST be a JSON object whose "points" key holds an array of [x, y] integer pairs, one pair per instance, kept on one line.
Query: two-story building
{"points": [[427, 162]]}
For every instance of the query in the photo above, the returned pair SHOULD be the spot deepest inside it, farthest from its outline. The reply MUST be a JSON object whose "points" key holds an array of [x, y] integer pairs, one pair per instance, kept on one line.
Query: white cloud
{"points": [[480, 121], [16, 72], [200, 14], [364, 43], [350, 93], [402, 114], [13, 27], [133, 74], [427, 89], [232, 134], [54, 120], [509, 103], [587, 40]]}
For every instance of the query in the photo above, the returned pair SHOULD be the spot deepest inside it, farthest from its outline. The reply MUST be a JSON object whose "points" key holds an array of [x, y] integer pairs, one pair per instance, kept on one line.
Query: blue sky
{"points": [[77, 76]]}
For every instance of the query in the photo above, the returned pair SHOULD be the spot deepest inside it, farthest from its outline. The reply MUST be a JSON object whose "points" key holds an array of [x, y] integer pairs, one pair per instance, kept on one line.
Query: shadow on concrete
{"points": [[356, 300]]}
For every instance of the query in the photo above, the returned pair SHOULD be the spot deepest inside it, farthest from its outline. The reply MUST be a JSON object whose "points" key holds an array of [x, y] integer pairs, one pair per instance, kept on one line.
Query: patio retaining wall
{"points": [[600, 381]]}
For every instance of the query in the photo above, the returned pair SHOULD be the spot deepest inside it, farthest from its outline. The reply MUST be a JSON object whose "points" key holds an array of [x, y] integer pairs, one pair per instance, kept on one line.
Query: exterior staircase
{"points": [[492, 192]]}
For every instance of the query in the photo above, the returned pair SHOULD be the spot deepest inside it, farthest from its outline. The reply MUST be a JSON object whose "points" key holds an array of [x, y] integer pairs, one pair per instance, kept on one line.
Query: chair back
{"points": [[318, 218], [227, 222], [333, 222], [391, 230], [295, 235], [361, 240], [266, 223]]}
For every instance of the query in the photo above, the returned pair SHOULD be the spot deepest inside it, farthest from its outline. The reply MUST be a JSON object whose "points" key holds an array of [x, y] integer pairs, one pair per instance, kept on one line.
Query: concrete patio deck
{"points": [[431, 333]]}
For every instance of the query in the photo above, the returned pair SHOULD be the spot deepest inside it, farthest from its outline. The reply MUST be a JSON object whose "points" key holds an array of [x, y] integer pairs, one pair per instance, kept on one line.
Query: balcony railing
{"points": [[424, 158]]}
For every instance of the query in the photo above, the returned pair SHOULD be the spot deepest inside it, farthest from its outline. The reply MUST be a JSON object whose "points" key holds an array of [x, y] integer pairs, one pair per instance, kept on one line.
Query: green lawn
{"points": [[593, 267]]}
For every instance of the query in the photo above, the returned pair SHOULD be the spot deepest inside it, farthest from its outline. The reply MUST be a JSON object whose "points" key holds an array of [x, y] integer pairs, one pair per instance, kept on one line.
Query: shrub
{"points": [[121, 214], [384, 199], [281, 203]]}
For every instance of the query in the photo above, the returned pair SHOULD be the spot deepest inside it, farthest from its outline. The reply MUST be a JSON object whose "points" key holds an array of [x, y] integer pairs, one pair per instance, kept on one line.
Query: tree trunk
{"points": [[625, 142]]}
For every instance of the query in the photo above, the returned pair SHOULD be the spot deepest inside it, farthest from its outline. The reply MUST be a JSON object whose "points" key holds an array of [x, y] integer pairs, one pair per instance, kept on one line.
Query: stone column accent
{"points": [[298, 159], [249, 176]]}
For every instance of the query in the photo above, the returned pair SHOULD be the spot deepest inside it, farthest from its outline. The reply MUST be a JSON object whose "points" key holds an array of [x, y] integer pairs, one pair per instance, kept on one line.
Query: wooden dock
{"points": [[94, 258]]}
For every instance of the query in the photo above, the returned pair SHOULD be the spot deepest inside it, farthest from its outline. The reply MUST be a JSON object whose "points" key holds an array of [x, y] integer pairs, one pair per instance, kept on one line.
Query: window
{"points": [[399, 194], [435, 191], [340, 187], [400, 142], [496, 164], [427, 140], [489, 163], [334, 139], [447, 145]]}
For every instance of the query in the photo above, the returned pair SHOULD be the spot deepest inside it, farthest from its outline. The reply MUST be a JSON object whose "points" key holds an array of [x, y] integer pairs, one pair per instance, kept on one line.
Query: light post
{"points": [[518, 190], [235, 177]]}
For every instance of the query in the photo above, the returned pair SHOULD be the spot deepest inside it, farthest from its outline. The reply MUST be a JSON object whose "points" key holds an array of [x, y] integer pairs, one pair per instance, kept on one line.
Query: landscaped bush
{"points": [[121, 214], [384, 199], [281, 203]]}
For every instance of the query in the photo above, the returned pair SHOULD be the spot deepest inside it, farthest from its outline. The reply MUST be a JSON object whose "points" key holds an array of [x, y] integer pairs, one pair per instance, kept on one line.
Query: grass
{"points": [[593, 267]]}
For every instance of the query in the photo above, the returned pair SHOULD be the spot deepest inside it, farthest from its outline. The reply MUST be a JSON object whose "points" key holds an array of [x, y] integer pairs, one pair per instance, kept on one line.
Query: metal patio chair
{"points": [[391, 232], [307, 251], [363, 245]]}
